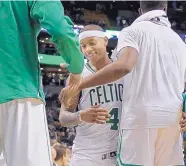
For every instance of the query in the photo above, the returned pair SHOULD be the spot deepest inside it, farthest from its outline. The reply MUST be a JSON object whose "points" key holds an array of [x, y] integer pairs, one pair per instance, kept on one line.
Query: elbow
{"points": [[64, 124], [127, 70]]}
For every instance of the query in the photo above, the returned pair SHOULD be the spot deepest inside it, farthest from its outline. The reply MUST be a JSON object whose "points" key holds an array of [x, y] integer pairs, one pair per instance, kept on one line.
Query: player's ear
{"points": [[106, 41]]}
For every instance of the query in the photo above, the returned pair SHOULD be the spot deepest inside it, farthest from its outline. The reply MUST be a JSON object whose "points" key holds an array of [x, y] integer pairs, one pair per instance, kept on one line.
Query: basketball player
{"points": [[95, 144], [24, 137], [151, 57]]}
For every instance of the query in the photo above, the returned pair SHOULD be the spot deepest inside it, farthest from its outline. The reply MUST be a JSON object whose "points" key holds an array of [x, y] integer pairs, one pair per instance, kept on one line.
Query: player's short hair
{"points": [[153, 5], [60, 151], [91, 27]]}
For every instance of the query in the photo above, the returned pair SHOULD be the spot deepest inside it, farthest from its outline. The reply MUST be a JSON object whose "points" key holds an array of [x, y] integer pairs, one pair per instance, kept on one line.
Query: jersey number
{"points": [[114, 119]]}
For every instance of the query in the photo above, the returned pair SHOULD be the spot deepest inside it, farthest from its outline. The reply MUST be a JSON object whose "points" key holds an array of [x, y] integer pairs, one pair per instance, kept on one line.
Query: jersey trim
{"points": [[89, 68], [80, 96], [119, 160]]}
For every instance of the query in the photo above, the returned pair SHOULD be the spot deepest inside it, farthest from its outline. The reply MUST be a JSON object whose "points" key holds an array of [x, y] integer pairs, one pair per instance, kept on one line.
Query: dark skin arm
{"points": [[128, 57]]}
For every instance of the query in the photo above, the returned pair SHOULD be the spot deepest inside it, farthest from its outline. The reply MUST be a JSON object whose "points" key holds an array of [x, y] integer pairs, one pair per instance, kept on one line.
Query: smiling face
{"points": [[94, 48]]}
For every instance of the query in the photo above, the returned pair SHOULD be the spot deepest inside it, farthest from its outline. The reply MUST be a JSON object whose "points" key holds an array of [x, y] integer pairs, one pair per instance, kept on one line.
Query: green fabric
{"points": [[50, 59], [184, 102], [50, 14], [20, 23]]}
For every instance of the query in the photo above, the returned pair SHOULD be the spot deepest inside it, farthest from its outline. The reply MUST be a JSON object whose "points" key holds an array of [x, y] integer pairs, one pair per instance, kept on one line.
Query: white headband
{"points": [[91, 33]]}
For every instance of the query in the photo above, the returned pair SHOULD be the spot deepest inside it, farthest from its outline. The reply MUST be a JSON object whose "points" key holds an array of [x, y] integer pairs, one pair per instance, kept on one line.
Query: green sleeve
{"points": [[50, 15]]}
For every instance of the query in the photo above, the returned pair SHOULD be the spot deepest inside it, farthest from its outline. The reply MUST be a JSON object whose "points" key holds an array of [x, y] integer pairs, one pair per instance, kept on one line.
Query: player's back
{"points": [[155, 85], [99, 138], [18, 54]]}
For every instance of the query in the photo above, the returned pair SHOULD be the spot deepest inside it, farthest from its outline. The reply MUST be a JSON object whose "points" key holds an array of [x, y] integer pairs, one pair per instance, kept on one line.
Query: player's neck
{"points": [[101, 63]]}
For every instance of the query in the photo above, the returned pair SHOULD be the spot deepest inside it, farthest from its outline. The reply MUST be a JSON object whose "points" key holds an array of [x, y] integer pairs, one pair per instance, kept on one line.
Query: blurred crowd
{"points": [[52, 85], [114, 11], [57, 79], [110, 15], [57, 132]]}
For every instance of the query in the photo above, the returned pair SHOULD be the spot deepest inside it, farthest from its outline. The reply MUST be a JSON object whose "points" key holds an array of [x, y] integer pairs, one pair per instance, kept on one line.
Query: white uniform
{"points": [[150, 133], [27, 141], [96, 144]]}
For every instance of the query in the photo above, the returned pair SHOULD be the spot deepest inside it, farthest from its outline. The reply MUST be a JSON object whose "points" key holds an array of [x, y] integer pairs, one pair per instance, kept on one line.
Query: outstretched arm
{"points": [[125, 63], [50, 15], [93, 114]]}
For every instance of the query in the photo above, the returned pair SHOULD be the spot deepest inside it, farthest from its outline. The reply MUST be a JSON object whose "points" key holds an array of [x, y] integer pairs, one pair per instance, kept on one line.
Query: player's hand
{"points": [[183, 122], [67, 99], [74, 80], [72, 90], [71, 103], [95, 114]]}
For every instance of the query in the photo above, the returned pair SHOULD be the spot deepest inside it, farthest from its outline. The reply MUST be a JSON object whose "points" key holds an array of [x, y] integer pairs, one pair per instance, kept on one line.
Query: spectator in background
{"points": [[42, 49], [78, 15], [174, 4], [52, 134], [98, 7], [59, 154], [53, 153], [118, 20], [67, 12], [111, 6], [57, 79], [62, 80], [124, 22], [102, 23]]}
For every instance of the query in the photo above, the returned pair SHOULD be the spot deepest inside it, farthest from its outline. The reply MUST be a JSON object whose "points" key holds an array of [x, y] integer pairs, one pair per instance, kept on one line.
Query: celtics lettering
{"points": [[106, 93]]}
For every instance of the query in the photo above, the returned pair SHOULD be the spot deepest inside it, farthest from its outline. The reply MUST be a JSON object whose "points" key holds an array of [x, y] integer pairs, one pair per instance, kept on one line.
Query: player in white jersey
{"points": [[151, 57], [96, 144]]}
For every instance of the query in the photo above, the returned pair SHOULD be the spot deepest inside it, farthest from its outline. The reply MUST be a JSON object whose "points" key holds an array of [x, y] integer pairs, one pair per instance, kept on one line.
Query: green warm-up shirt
{"points": [[20, 23]]}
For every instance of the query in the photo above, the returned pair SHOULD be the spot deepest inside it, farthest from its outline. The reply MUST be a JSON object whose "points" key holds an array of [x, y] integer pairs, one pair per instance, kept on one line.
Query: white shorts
{"points": [[108, 159], [150, 147], [24, 137]]}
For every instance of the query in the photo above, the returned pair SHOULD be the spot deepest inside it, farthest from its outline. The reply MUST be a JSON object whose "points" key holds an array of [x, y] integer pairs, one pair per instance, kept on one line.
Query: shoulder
{"points": [[137, 27], [133, 31]]}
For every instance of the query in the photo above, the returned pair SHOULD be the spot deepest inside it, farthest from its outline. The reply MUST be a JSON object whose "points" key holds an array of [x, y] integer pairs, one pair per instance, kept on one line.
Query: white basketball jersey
{"points": [[99, 138]]}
